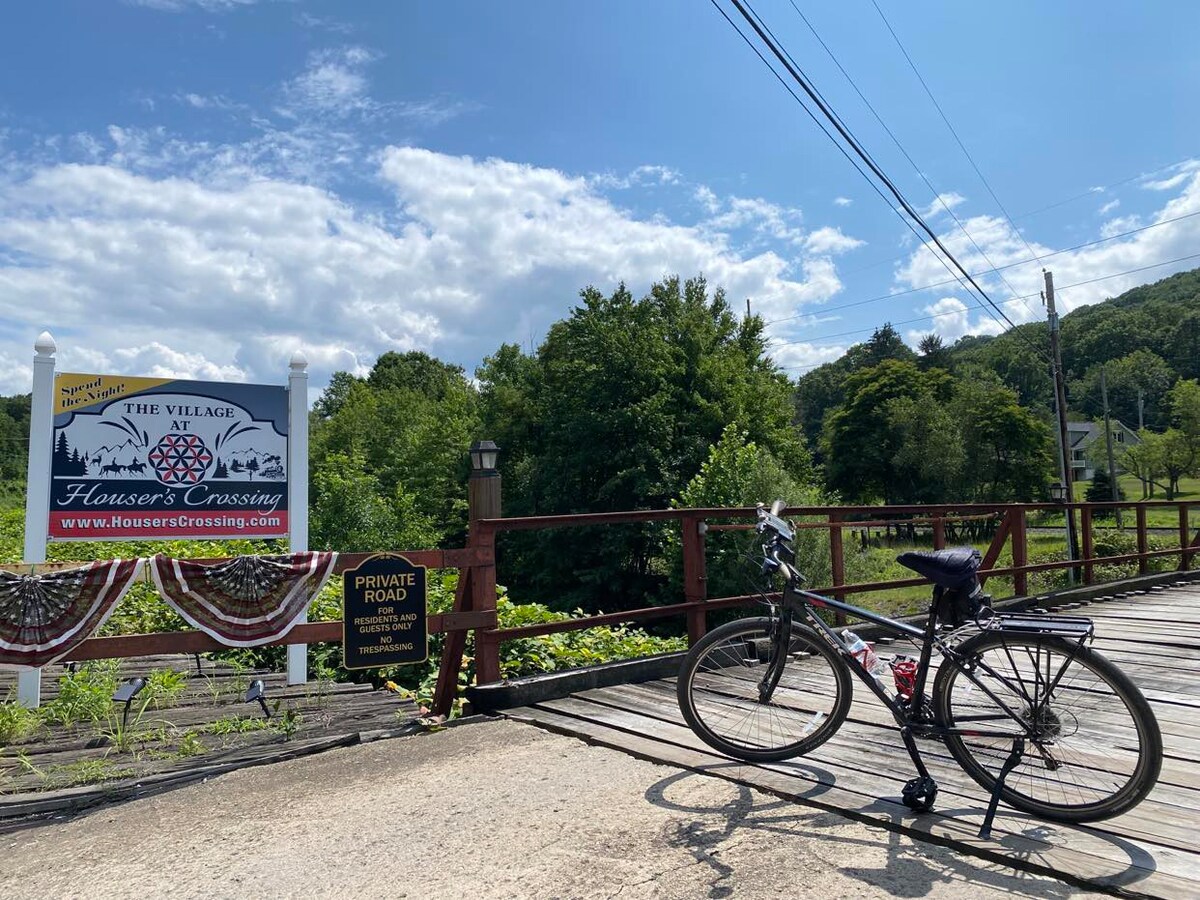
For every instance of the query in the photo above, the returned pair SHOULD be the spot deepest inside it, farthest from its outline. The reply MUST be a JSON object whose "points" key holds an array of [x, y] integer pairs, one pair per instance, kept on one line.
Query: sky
{"points": [[199, 188]]}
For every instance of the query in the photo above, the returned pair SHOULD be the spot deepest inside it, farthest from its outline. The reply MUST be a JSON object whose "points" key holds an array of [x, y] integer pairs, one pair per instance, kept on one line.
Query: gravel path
{"points": [[493, 809]]}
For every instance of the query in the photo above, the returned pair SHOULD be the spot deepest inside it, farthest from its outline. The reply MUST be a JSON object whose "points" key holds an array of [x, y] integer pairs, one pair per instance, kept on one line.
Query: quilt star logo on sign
{"points": [[152, 457], [384, 613]]}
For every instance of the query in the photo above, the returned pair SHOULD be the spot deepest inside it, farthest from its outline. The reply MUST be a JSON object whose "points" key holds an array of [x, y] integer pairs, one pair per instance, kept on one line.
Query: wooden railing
{"points": [[1011, 528], [475, 607]]}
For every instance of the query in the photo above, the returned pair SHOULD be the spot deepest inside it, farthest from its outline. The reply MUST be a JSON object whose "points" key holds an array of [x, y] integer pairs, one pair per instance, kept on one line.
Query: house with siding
{"points": [[1083, 437]]}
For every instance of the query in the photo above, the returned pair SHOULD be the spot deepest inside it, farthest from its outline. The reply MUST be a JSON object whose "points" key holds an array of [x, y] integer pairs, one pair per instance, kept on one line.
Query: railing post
{"points": [[1020, 550], [695, 577], [1185, 539], [483, 594], [837, 562], [1142, 544], [939, 533], [1085, 528], [993, 552]]}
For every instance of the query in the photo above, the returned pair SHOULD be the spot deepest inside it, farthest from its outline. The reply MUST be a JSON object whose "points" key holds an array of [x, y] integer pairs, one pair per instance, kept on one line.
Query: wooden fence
{"points": [[475, 598]]}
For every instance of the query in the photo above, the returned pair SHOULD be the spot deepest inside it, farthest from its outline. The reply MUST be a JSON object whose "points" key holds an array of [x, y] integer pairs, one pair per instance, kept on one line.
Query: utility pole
{"points": [[1141, 411], [747, 307], [1112, 468], [1060, 405]]}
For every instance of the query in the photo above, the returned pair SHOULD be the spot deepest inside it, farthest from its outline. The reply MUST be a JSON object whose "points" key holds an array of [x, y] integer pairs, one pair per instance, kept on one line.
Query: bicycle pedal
{"points": [[919, 794]]}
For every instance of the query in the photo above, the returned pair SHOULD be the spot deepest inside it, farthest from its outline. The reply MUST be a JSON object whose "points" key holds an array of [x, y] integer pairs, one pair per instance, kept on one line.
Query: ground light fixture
{"points": [[483, 458], [258, 691], [129, 689]]}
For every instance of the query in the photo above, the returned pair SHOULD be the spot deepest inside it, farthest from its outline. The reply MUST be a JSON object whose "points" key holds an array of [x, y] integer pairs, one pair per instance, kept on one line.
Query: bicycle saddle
{"points": [[949, 568]]}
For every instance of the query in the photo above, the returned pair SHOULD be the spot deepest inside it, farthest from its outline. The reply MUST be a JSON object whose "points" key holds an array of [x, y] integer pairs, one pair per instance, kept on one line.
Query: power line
{"points": [[1023, 262], [799, 77], [937, 195], [834, 140], [946, 119], [1091, 192], [961, 311]]}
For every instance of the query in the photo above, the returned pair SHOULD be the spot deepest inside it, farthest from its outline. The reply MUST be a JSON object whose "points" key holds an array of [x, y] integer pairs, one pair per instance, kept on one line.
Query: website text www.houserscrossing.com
{"points": [[173, 521]]}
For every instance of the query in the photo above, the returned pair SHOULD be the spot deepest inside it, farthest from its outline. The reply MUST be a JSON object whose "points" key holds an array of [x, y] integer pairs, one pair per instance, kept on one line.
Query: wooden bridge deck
{"points": [[1153, 850]]}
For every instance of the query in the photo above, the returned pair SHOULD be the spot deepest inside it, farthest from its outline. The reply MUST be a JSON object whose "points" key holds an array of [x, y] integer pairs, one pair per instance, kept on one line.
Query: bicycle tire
{"points": [[1088, 791], [719, 679]]}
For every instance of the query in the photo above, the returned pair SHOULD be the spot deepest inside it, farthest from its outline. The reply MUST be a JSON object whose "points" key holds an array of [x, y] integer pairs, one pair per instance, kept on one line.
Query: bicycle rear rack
{"points": [[1077, 628]]}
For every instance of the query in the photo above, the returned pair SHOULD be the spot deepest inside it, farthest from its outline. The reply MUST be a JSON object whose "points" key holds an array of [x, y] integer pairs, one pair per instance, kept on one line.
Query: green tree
{"points": [[738, 472], [410, 421], [1140, 371], [860, 440], [934, 352], [618, 412], [350, 510], [1100, 490], [1008, 450], [927, 466]]}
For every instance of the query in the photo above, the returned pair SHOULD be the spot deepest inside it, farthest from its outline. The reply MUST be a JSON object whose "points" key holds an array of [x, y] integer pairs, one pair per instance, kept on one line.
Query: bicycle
{"points": [[1033, 714]]}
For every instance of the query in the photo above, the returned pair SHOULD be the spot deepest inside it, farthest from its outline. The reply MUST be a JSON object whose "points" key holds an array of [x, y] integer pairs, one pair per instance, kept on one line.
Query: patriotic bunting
{"points": [[44, 617], [247, 601]]}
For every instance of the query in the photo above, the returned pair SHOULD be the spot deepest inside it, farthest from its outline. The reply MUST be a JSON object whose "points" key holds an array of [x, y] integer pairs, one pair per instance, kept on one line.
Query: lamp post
{"points": [[483, 488]]}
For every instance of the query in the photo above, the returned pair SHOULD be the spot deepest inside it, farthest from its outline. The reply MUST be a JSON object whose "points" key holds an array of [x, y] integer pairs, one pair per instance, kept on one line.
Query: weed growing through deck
{"points": [[85, 771], [84, 695], [164, 687], [190, 745], [17, 722], [123, 734]]}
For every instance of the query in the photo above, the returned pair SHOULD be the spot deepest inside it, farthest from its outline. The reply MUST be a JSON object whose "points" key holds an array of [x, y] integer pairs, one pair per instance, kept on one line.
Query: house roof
{"points": [[1081, 433]]}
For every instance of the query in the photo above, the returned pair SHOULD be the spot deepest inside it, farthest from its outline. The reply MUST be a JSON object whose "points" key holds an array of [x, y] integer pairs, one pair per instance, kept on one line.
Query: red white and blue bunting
{"points": [[246, 601], [44, 617]]}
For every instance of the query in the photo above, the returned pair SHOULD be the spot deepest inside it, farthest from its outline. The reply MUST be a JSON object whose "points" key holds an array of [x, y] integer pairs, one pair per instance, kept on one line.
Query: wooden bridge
{"points": [[1154, 850]]}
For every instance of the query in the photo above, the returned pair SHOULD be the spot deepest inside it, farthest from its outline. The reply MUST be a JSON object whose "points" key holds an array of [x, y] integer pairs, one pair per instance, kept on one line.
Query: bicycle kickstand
{"points": [[1014, 757]]}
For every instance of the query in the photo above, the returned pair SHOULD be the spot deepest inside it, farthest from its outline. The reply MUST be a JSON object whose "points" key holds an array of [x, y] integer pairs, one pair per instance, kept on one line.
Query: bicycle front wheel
{"points": [[1092, 746], [720, 692]]}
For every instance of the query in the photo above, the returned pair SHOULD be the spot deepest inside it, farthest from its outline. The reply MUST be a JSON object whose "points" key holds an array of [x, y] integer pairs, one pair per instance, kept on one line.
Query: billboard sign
{"points": [[143, 458]]}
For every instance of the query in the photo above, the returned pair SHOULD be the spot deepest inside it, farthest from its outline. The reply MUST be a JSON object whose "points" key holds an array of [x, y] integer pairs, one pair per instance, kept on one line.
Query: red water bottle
{"points": [[904, 670]]}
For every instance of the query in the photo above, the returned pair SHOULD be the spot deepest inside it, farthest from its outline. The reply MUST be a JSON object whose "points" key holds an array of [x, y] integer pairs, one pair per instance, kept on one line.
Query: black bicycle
{"points": [[1022, 702]]}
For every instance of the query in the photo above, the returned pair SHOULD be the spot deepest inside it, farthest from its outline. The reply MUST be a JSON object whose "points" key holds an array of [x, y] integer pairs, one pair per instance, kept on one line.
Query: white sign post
{"points": [[37, 495], [297, 654]]}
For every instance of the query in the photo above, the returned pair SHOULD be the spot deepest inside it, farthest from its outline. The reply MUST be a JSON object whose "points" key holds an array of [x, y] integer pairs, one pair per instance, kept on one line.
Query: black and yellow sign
{"points": [[383, 615]]}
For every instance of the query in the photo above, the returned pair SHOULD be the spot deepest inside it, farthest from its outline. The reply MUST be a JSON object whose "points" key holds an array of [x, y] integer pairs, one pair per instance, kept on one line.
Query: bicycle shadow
{"points": [[912, 866]]}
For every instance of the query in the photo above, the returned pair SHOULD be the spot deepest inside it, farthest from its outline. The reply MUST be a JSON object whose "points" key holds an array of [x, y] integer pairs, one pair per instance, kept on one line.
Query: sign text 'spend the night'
{"points": [[384, 613]]}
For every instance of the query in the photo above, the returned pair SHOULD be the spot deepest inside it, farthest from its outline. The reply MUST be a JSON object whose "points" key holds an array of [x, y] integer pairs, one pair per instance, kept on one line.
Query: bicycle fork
{"points": [[781, 631]]}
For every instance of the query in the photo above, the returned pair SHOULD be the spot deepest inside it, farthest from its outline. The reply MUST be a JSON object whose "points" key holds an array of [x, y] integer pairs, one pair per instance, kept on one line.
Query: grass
{"points": [[1156, 516]]}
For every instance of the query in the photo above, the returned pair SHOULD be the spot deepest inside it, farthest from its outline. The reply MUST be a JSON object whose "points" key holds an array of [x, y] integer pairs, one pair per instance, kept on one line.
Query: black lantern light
{"points": [[1058, 492], [483, 458]]}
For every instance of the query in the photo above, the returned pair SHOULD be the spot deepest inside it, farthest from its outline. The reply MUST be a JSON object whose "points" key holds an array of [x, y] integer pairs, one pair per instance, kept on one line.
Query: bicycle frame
{"points": [[910, 717]]}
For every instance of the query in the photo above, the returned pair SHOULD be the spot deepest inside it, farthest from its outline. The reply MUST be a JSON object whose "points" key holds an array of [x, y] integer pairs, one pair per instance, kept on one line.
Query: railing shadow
{"points": [[911, 867]]}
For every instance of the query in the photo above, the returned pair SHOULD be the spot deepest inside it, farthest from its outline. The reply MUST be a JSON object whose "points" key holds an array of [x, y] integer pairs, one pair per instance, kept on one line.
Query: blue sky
{"points": [[198, 187]]}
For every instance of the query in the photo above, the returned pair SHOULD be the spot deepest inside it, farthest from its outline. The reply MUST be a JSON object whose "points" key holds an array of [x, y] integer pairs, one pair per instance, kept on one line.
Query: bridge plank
{"points": [[1152, 850]]}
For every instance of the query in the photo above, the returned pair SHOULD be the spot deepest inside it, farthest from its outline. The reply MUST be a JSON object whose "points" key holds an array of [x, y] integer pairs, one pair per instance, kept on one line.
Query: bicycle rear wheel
{"points": [[719, 692], [1093, 747]]}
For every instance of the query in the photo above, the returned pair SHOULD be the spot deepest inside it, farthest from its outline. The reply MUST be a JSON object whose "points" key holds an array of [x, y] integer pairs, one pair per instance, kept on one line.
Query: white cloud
{"points": [[1182, 173], [950, 317], [181, 5], [642, 176], [842, 201], [1023, 275], [187, 259], [944, 202], [334, 82], [1120, 225], [831, 241], [1109, 207]]}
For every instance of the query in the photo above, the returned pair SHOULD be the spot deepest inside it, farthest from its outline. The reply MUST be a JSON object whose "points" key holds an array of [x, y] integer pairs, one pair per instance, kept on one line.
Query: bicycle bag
{"points": [[961, 605]]}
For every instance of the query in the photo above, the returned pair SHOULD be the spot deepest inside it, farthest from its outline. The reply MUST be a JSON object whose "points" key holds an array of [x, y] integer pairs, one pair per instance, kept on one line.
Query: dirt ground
{"points": [[491, 809]]}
